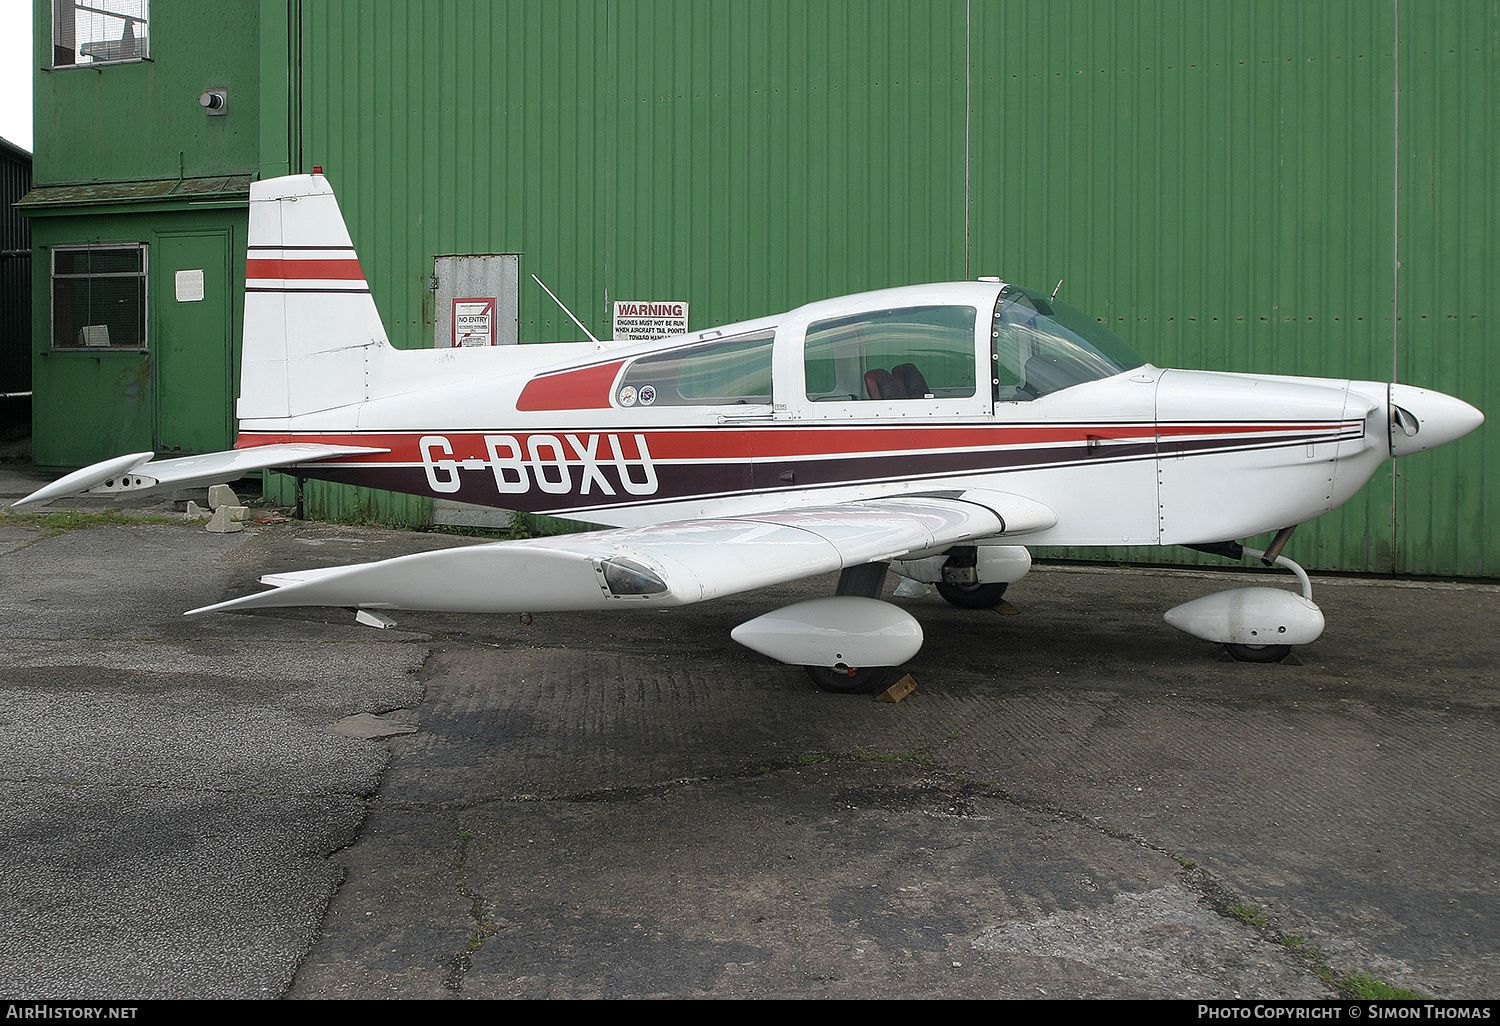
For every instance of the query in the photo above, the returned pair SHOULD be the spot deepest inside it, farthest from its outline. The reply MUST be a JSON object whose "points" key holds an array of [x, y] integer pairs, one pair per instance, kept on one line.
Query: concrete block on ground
{"points": [[222, 523]]}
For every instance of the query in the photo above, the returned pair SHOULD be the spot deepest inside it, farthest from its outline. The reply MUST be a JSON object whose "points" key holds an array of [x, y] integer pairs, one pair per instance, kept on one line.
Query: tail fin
{"points": [[310, 323]]}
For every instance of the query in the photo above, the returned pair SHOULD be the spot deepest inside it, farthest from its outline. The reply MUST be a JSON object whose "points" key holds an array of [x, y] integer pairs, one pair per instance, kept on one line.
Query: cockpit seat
{"points": [[881, 384], [910, 381]]}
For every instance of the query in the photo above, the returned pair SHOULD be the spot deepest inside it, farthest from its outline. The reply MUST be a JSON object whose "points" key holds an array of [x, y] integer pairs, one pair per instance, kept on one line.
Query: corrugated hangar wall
{"points": [[1262, 186]]}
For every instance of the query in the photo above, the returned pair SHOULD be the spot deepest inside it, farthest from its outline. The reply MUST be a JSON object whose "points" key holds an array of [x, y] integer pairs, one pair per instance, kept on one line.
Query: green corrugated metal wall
{"points": [[1216, 181], [1449, 238], [1231, 185], [635, 150]]}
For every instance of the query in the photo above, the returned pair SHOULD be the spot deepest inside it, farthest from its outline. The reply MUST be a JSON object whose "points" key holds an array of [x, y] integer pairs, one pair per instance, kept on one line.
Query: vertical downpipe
{"points": [[968, 127], [1395, 251]]}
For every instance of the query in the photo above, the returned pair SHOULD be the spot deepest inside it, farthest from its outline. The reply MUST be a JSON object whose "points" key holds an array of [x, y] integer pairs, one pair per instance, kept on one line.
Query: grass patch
{"points": [[1367, 988], [1248, 914], [1351, 986], [53, 524]]}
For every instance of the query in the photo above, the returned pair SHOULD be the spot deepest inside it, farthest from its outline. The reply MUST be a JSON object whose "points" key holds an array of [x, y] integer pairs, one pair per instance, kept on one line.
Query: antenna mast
{"points": [[565, 309]]}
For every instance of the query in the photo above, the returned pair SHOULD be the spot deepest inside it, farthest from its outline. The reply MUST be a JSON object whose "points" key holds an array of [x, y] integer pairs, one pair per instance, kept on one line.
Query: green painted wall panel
{"points": [[1449, 251], [141, 121], [90, 406], [736, 155], [1214, 180], [1221, 182], [71, 389]]}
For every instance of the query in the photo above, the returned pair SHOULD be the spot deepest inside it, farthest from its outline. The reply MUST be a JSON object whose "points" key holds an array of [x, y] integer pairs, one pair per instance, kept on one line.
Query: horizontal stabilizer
{"points": [[664, 565], [140, 474]]}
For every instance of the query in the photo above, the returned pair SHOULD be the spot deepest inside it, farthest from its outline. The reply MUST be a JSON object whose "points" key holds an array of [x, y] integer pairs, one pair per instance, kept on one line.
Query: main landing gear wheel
{"points": [[1259, 653], [973, 596], [846, 680]]}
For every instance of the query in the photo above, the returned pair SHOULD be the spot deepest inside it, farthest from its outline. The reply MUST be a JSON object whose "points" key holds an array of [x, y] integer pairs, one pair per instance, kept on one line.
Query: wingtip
{"points": [[36, 498], [243, 602], [80, 481]]}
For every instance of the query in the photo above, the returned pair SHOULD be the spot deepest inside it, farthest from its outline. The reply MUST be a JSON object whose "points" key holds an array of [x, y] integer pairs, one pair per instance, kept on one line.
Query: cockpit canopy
{"points": [[1042, 346], [939, 345]]}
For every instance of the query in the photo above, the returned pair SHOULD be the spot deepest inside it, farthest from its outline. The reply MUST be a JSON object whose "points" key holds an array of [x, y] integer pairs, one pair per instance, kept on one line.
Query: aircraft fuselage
{"points": [[787, 411]]}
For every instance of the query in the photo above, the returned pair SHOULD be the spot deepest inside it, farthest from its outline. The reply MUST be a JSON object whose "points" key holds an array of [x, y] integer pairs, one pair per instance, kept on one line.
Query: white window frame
{"points": [[113, 22]]}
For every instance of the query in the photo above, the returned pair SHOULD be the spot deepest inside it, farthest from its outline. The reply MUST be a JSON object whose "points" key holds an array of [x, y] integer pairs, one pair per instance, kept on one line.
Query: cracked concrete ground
{"points": [[1075, 801]]}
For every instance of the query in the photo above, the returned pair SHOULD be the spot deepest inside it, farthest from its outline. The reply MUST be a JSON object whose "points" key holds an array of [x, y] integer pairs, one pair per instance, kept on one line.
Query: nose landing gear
{"points": [[1255, 625]]}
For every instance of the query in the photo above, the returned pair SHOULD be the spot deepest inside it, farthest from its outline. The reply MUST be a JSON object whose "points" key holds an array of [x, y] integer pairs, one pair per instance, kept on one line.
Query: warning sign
{"points": [[638, 320], [474, 322]]}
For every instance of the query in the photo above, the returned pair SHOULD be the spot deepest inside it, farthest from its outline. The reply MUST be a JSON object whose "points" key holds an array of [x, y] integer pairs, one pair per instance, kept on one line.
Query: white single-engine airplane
{"points": [[924, 429]]}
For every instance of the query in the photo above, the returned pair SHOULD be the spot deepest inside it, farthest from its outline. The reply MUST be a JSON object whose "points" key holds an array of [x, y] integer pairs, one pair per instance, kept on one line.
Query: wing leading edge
{"points": [[664, 565]]}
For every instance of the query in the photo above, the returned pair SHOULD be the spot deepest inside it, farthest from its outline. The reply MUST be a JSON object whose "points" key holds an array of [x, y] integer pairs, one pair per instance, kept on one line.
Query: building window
{"points": [[99, 297], [89, 32]]}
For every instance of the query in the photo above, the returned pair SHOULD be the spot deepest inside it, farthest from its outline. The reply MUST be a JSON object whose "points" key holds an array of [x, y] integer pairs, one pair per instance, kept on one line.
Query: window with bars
{"points": [[90, 32], [99, 297]]}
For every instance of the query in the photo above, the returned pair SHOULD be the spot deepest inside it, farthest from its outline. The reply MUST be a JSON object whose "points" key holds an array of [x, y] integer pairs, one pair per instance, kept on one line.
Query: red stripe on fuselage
{"points": [[769, 442]]}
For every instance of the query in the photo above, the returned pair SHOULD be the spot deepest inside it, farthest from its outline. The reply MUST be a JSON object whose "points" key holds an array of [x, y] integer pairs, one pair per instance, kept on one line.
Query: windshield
{"points": [[1043, 346]]}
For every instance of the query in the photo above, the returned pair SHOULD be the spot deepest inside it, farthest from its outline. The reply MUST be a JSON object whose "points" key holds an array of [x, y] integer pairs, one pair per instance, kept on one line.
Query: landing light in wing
{"points": [[624, 577]]}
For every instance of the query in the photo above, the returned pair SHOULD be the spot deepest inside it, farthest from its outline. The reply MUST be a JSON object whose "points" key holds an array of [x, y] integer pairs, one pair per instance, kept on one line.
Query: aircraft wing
{"points": [[139, 472], [663, 565]]}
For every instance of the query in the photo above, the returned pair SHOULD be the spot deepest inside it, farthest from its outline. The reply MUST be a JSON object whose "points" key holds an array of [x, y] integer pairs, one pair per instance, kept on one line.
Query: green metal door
{"points": [[192, 340]]}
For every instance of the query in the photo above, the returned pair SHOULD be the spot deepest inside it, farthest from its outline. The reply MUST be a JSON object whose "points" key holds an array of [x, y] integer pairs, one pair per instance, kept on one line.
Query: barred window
{"points": [[99, 297], [89, 32]]}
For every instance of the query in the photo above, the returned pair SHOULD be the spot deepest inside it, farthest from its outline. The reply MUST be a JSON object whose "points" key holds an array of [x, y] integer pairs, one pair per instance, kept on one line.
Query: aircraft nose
{"points": [[1422, 419]]}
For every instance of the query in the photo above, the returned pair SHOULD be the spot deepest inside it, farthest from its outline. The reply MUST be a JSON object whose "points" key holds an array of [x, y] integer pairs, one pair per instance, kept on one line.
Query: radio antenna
{"points": [[565, 309]]}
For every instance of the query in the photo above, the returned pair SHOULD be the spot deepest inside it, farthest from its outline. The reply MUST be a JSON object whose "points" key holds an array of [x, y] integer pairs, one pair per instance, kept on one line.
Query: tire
{"points": [[1259, 653], [973, 596], [847, 681]]}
